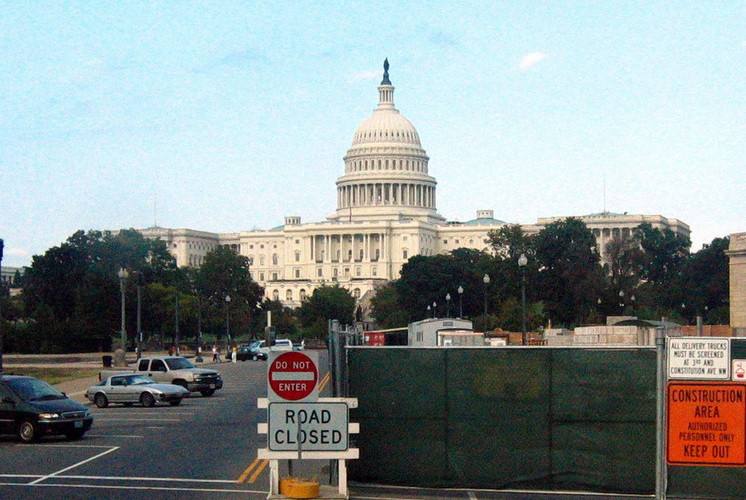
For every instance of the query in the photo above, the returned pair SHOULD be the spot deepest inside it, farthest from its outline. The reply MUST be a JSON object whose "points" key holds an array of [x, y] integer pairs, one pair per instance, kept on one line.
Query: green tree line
{"points": [[71, 298], [650, 274]]}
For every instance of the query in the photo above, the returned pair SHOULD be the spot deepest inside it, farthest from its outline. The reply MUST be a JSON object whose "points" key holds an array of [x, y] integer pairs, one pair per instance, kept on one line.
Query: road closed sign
{"points": [[308, 426], [706, 424], [293, 376]]}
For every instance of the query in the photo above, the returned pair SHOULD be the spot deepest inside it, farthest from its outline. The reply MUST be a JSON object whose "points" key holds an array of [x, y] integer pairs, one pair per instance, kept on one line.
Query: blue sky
{"points": [[227, 116]]}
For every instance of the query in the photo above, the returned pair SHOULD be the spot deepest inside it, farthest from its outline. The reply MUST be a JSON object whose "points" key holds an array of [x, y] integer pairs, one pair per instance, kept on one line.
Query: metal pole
{"points": [[123, 331], [139, 308], [660, 414], [523, 304], [176, 327]]}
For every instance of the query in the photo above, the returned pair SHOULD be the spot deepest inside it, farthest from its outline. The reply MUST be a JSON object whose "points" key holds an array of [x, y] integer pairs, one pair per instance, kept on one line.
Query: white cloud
{"points": [[368, 75], [532, 59]]}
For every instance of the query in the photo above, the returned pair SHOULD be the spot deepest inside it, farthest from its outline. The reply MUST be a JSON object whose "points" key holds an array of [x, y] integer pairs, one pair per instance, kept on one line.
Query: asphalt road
{"points": [[204, 449]]}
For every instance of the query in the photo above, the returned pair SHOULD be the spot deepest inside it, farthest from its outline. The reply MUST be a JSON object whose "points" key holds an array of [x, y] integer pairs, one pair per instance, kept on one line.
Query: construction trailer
{"points": [[443, 331]]}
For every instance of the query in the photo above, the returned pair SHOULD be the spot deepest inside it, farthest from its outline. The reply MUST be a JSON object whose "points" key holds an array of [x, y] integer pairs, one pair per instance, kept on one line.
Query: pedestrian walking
{"points": [[234, 354]]}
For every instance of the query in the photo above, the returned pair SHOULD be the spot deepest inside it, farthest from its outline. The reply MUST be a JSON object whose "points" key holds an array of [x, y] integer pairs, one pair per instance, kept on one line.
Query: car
{"points": [[244, 352], [128, 389], [31, 408], [259, 349]]}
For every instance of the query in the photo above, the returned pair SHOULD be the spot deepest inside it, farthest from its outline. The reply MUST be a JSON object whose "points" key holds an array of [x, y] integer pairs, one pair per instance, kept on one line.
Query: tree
{"points": [[386, 307], [705, 282], [326, 303], [75, 286], [224, 273], [570, 278]]}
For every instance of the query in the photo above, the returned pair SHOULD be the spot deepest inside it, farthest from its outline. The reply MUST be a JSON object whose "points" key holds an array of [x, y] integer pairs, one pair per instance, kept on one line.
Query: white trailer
{"points": [[428, 332]]}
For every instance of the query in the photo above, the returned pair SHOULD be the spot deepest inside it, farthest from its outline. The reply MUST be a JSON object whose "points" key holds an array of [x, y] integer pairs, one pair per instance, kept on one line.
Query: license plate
{"points": [[78, 424], [212, 386]]}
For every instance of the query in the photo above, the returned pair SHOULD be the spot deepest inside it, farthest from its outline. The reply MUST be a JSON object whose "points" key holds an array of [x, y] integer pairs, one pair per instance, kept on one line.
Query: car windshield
{"points": [[178, 364], [33, 389], [139, 380], [256, 344]]}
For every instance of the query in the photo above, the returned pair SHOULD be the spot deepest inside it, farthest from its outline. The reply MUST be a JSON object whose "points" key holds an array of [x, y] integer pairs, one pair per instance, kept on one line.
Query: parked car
{"points": [[173, 370], [130, 389], [30, 408], [259, 349]]}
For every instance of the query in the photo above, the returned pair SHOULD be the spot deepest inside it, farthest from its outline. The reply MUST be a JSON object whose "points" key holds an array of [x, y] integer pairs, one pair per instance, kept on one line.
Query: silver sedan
{"points": [[130, 389]]}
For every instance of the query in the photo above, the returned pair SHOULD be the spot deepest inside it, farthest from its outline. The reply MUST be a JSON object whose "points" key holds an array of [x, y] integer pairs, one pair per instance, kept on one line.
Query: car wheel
{"points": [[175, 402], [254, 357], [100, 400], [147, 399], [207, 392], [27, 432], [74, 435]]}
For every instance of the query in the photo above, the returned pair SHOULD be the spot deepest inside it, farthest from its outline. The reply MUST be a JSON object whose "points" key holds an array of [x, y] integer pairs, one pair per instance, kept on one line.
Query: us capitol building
{"points": [[386, 213]]}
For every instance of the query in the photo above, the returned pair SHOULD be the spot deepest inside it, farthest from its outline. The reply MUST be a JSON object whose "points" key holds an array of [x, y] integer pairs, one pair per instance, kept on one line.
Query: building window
{"points": [[405, 254], [261, 276], [320, 273], [274, 276], [347, 271], [303, 294], [275, 295], [274, 259], [261, 260], [297, 256], [374, 271], [356, 293], [289, 295], [297, 273], [358, 271]]}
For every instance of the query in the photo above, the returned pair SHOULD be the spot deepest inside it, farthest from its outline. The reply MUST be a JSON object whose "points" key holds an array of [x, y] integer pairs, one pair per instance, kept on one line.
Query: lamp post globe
{"points": [[460, 301]]}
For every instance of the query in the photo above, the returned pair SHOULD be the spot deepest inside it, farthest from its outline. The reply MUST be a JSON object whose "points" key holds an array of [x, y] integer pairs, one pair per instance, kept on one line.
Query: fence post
{"points": [[660, 414]]}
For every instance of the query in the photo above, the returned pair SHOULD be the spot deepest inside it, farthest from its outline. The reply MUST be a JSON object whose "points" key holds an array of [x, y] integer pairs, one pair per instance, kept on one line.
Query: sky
{"points": [[228, 116]]}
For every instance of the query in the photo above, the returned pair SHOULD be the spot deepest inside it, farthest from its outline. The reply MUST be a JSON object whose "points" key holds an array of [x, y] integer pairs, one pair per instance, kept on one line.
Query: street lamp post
{"points": [[522, 261], [227, 322], [435, 309], [460, 301], [429, 308], [139, 312], [486, 280], [448, 305], [176, 325], [123, 275], [621, 301]]}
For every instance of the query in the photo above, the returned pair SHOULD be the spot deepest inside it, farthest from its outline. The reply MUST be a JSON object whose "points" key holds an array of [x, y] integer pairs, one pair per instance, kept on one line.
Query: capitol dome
{"points": [[386, 168]]}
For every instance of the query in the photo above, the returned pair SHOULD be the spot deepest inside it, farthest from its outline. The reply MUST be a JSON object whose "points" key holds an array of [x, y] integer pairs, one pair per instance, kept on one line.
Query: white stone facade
{"points": [[386, 213], [737, 255]]}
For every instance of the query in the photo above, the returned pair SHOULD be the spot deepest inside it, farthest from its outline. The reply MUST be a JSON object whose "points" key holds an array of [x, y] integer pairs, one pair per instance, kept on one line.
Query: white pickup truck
{"points": [[174, 370]]}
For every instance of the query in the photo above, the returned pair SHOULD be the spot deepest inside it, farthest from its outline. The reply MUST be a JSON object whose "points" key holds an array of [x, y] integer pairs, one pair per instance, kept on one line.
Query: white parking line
{"points": [[101, 419], [43, 478], [119, 436]]}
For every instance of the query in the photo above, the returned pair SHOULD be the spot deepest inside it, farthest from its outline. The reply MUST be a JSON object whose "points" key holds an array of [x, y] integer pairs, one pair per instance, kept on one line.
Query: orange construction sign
{"points": [[706, 424]]}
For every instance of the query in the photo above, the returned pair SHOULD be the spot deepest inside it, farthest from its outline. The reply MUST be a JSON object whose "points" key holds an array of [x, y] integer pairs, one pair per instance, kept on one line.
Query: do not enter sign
{"points": [[292, 376]]}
